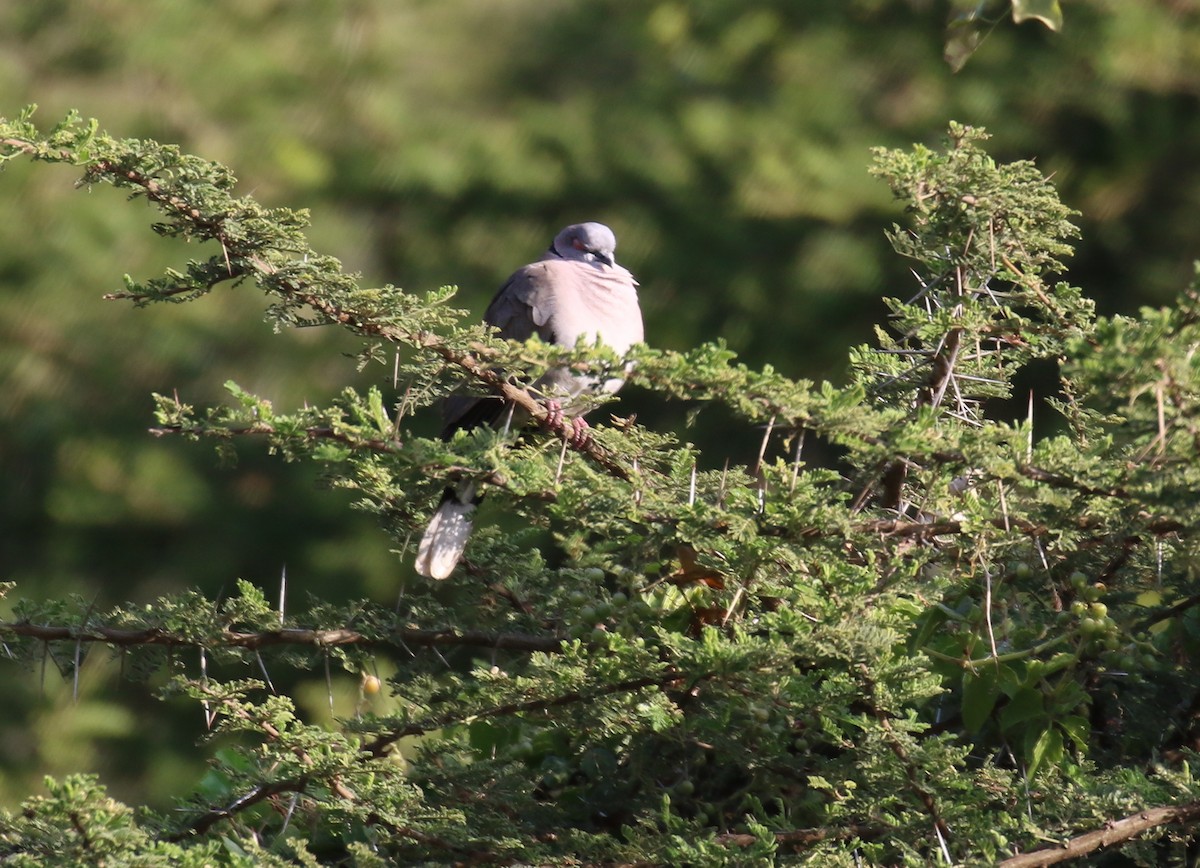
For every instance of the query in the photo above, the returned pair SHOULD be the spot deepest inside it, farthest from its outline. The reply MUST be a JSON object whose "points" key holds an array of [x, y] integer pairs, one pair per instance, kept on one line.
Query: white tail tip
{"points": [[444, 539]]}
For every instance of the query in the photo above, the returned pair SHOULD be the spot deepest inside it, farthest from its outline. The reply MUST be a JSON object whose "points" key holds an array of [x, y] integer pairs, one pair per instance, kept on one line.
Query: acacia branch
{"points": [[314, 432], [931, 394], [892, 739], [799, 839], [245, 258], [379, 748], [381, 745], [470, 362], [247, 800], [250, 640], [1057, 480], [910, 773], [1113, 832], [264, 791]]}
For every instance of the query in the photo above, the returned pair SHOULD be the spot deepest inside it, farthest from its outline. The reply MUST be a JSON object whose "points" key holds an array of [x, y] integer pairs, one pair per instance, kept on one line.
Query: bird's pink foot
{"points": [[554, 416], [581, 437], [577, 434]]}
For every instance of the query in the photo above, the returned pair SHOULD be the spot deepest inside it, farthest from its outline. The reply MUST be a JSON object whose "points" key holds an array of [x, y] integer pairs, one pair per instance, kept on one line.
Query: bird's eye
{"points": [[578, 244]]}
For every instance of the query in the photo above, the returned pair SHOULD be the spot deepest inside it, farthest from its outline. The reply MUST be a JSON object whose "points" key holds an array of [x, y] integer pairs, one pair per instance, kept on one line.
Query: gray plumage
{"points": [[576, 290]]}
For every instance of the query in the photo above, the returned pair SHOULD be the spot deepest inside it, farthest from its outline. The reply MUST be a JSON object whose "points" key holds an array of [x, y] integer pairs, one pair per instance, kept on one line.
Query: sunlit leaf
{"points": [[1049, 12], [1047, 749]]}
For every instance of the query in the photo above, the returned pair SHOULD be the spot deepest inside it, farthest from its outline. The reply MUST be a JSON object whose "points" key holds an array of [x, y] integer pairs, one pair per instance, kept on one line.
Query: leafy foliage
{"points": [[955, 643]]}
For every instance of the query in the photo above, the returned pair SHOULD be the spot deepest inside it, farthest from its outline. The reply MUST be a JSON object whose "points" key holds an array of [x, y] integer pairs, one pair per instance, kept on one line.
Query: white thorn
{"points": [[762, 449], [1029, 443], [282, 592], [562, 458]]}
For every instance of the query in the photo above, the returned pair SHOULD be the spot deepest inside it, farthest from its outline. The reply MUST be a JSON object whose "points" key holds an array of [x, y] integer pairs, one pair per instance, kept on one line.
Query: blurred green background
{"points": [[444, 142]]}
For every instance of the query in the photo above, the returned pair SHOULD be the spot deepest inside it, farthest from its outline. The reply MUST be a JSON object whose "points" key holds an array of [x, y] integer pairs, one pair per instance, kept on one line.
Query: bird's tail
{"points": [[447, 533]]}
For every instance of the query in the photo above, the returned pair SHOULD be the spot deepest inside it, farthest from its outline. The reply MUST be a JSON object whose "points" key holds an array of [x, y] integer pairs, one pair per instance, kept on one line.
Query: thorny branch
{"points": [[312, 433], [242, 259], [337, 637], [923, 793], [380, 746], [472, 363]]}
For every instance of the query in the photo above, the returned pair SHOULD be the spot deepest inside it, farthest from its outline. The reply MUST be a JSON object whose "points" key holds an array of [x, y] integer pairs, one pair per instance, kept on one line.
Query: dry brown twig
{"points": [[1113, 832]]}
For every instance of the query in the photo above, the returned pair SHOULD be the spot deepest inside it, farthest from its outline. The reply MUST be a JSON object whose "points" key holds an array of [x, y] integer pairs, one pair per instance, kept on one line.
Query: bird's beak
{"points": [[606, 258]]}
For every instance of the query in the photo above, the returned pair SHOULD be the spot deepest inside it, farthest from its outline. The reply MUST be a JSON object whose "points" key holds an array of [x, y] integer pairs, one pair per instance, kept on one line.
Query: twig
{"points": [[1113, 832], [381, 745], [249, 799], [1037, 474], [1165, 614], [798, 839], [910, 773], [890, 736]]}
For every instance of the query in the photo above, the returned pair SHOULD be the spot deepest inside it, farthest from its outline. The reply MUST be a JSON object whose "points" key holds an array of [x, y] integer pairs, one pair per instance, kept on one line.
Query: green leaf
{"points": [[1046, 749], [251, 593], [485, 736], [1026, 705], [378, 414], [1077, 729], [980, 691], [927, 626]]}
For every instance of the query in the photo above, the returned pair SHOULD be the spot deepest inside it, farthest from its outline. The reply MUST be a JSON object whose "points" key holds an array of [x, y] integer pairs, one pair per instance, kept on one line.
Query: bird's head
{"points": [[586, 242]]}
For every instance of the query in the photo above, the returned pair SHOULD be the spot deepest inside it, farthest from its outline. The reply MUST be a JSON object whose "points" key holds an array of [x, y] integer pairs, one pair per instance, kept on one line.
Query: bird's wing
{"points": [[522, 307], [525, 305]]}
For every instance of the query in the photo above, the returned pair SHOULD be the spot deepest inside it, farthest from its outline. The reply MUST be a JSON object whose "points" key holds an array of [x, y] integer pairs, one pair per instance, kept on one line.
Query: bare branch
{"points": [[1113, 832]]}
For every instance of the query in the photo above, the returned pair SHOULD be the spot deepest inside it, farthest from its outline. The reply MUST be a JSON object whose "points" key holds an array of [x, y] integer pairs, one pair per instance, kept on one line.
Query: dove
{"points": [[575, 290]]}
